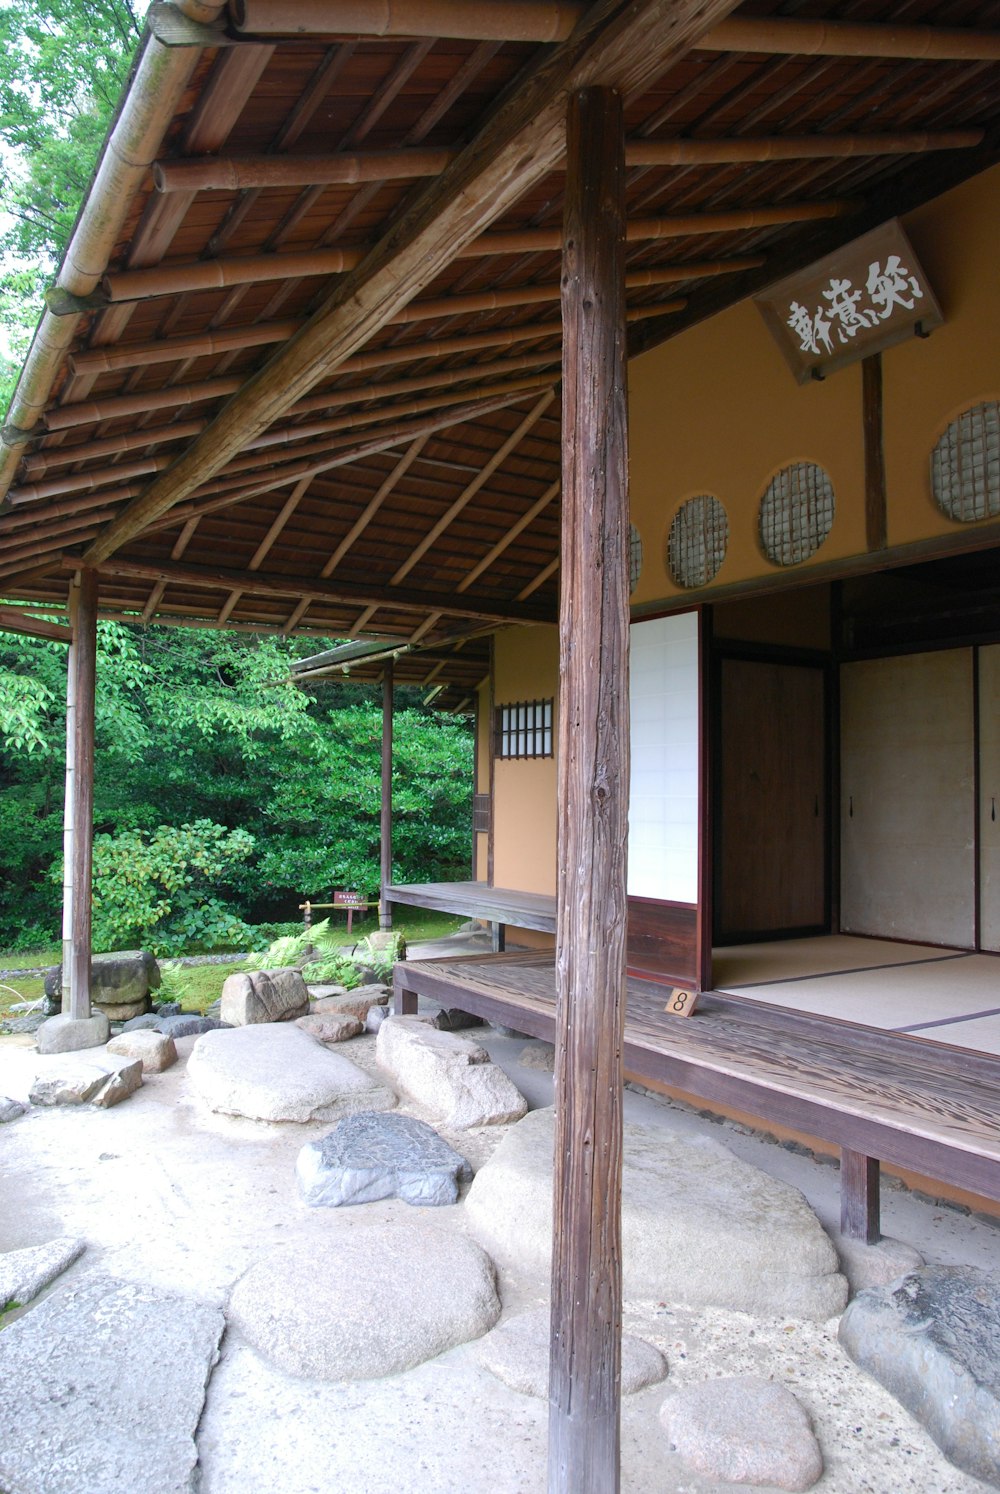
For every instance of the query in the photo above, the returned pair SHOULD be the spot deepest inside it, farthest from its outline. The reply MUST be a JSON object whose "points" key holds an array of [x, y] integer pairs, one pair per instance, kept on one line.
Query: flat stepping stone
{"points": [[154, 1050], [699, 1226], [933, 1340], [107, 1383], [517, 1352], [453, 1078], [25, 1273], [275, 1072], [94, 1078], [744, 1431], [331, 1027], [315, 1321], [372, 1156], [187, 1024]]}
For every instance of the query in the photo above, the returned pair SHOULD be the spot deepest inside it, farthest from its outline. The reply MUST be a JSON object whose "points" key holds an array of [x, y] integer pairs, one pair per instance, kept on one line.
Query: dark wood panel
{"points": [[771, 874], [663, 941]]}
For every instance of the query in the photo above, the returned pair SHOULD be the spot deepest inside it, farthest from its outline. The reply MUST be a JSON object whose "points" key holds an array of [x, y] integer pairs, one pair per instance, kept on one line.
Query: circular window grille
{"points": [[696, 546], [634, 558], [796, 513], [965, 466]]}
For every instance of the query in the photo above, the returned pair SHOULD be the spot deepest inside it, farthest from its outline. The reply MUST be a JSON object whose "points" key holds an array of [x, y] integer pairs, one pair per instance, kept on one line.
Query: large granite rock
{"points": [[744, 1431], [357, 1003], [10, 1110], [25, 1273], [330, 1027], [875, 1265], [933, 1340], [451, 1077], [276, 1072], [65, 1034], [95, 1080], [155, 1050], [437, 1291], [698, 1226], [263, 996], [118, 981], [372, 1156], [106, 1383], [517, 1352]]}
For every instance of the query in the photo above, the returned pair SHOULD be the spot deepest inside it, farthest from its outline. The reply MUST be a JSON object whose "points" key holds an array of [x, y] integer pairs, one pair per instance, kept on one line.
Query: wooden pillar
{"points": [[593, 775], [876, 518], [85, 654], [859, 1197], [385, 907], [68, 807]]}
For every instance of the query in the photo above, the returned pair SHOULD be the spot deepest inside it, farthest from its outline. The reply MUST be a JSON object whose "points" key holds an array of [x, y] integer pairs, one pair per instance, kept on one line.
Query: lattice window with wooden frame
{"points": [[965, 466], [524, 729], [796, 513]]}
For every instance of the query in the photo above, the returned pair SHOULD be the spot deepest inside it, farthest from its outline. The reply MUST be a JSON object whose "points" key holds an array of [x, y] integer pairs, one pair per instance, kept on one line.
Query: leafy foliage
{"points": [[63, 64], [193, 728]]}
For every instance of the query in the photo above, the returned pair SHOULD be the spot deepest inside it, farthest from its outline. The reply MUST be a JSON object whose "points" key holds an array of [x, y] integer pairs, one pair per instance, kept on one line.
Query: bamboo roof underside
{"points": [[312, 386]]}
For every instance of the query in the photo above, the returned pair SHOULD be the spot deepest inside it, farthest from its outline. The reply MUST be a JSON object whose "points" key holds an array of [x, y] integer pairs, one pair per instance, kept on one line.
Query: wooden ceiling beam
{"points": [[621, 45], [349, 593], [13, 620], [262, 551]]}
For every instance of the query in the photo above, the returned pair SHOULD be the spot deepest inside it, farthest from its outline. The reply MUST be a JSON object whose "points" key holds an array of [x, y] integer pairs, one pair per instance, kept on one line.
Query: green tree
{"points": [[63, 64]]}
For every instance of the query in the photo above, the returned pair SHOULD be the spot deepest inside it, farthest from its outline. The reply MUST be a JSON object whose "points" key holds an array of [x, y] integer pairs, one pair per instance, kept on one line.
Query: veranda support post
{"points": [[385, 907], [593, 779], [68, 808], [85, 657]]}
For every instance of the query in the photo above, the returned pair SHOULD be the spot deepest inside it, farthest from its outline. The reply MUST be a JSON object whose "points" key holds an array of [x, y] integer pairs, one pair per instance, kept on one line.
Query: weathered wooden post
{"points": [[85, 652], [68, 805], [385, 907], [593, 777]]}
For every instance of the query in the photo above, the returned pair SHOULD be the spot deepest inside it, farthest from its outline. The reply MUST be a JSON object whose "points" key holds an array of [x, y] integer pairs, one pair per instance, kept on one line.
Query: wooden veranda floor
{"points": [[909, 1101]]}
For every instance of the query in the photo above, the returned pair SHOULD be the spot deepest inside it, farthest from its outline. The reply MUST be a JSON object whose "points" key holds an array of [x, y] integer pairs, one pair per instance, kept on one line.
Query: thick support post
{"points": [[876, 520], [85, 653], [859, 1197], [385, 907], [68, 808], [593, 779]]}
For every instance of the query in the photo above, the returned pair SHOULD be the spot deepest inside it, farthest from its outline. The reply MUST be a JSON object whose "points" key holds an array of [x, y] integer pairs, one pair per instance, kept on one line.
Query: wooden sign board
{"points": [[857, 301], [349, 900], [681, 1003]]}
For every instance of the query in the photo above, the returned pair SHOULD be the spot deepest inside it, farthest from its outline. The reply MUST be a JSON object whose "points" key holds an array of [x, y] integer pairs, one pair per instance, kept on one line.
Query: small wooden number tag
{"points": [[682, 1003]]}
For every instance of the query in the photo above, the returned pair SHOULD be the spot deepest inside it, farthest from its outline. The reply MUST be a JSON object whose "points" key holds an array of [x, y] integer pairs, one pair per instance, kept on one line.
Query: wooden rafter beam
{"points": [[624, 46], [345, 593], [13, 620]]}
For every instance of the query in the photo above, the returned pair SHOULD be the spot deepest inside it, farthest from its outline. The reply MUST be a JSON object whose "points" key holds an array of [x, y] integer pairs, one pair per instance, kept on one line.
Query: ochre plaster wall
{"points": [[715, 410], [524, 810]]}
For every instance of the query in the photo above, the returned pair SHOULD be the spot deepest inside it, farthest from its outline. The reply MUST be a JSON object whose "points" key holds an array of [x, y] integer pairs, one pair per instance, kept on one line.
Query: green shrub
{"points": [[291, 949]]}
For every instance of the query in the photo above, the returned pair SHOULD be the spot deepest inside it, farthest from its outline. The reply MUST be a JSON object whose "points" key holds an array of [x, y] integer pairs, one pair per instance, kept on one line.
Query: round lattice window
{"points": [[634, 558], [696, 546], [965, 466], [796, 513]]}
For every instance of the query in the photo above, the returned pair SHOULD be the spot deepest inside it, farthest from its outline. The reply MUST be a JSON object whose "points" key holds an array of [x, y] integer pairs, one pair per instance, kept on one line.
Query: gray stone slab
{"points": [[106, 1384], [64, 1034], [371, 1156], [699, 1227], [263, 996], [875, 1265], [155, 1050], [517, 1352], [330, 1027], [25, 1273], [316, 1321], [149, 1020], [275, 1072], [95, 1079], [10, 1109], [744, 1431], [933, 1340], [185, 1024]]}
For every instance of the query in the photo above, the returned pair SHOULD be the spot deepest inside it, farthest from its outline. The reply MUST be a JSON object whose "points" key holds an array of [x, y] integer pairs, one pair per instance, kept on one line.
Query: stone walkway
{"points": [[195, 1215]]}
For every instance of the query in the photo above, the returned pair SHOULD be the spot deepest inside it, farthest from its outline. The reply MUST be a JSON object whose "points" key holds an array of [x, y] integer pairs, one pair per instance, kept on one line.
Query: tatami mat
{"points": [[947, 996], [740, 965]]}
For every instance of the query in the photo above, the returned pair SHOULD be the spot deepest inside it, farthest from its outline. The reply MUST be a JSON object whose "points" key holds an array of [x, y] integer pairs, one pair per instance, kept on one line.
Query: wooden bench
{"points": [[878, 1096]]}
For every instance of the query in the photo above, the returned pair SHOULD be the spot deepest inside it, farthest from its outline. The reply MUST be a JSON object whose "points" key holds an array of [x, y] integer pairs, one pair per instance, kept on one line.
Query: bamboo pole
{"points": [[385, 817], [69, 804], [85, 658], [251, 173], [732, 152], [536, 508], [787, 37], [593, 786], [220, 274]]}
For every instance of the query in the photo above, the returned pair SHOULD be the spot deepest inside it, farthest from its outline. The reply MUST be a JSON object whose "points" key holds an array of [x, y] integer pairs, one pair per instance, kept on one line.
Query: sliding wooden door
{"points": [[908, 798], [771, 845], [989, 797]]}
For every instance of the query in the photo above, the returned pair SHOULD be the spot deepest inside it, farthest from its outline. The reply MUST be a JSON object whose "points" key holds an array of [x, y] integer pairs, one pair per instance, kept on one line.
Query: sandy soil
{"points": [[165, 1192]]}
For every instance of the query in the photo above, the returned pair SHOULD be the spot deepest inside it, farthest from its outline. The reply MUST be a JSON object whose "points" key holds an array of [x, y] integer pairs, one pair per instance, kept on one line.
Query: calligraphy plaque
{"points": [[864, 297]]}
